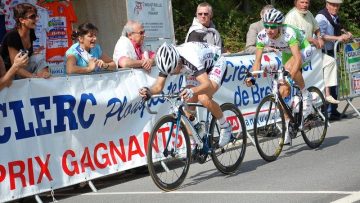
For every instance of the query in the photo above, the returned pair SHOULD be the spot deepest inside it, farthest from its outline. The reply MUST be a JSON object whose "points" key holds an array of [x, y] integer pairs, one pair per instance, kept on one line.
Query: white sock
{"points": [[195, 121], [222, 122]]}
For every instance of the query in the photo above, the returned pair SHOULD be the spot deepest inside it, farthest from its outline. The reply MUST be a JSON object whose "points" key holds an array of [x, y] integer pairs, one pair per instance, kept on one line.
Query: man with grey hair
{"points": [[202, 28], [129, 51], [254, 29]]}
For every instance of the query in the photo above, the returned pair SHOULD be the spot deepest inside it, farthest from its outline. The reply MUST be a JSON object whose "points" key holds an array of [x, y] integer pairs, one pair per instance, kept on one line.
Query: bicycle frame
{"points": [[280, 75], [178, 111]]}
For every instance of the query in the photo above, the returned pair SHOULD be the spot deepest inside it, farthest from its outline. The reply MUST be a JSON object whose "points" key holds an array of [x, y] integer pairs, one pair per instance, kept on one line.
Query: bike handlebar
{"points": [[165, 96]]}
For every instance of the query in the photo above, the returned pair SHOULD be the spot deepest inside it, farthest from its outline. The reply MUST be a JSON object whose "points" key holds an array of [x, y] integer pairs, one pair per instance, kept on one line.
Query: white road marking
{"points": [[351, 193], [351, 198]]}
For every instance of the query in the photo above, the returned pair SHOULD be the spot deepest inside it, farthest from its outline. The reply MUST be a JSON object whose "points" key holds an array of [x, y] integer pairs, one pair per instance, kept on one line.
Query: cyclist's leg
{"points": [[284, 91], [190, 111], [216, 77], [295, 72]]}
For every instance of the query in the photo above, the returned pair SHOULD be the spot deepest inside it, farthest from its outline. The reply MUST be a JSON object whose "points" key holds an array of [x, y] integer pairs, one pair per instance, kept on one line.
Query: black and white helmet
{"points": [[167, 58], [273, 16]]}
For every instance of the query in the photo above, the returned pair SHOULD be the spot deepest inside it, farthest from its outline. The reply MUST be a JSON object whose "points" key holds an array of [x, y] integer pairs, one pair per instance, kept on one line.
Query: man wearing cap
{"points": [[331, 31]]}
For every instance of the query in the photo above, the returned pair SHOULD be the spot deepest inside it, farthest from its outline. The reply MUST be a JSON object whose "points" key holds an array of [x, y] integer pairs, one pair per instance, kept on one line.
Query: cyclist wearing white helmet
{"points": [[204, 68], [295, 52]]}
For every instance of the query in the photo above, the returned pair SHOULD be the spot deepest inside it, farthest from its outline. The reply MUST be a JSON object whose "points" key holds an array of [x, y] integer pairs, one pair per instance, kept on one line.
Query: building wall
{"points": [[109, 16]]}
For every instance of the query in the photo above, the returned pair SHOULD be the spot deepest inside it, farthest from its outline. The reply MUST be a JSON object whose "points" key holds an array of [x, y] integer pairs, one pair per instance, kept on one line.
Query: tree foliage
{"points": [[233, 17]]}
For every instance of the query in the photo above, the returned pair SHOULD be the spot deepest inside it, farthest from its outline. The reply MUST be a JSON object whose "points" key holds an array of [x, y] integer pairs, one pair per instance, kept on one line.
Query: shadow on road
{"points": [[328, 142]]}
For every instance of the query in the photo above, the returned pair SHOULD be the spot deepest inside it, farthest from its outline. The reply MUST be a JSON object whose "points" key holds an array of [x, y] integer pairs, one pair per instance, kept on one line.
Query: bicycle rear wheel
{"points": [[228, 159], [315, 125], [168, 165], [269, 128]]}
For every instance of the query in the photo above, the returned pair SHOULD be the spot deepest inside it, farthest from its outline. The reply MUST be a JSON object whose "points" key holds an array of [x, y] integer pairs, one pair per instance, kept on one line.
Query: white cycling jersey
{"points": [[198, 57], [288, 36]]}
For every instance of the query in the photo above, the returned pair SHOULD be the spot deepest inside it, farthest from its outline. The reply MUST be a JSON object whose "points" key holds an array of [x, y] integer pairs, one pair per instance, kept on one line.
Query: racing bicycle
{"points": [[170, 153], [269, 122]]}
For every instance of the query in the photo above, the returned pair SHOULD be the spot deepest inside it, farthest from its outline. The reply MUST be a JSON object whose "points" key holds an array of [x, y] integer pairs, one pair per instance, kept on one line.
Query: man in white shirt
{"points": [[129, 51]]}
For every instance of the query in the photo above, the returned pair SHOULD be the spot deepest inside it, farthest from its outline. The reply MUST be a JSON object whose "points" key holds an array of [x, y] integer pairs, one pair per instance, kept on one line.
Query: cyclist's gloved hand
{"points": [[145, 93], [249, 79], [187, 93]]}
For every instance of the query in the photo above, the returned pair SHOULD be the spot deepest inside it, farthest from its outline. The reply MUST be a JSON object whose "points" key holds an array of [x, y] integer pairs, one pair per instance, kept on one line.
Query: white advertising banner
{"points": [[246, 98], [62, 131]]}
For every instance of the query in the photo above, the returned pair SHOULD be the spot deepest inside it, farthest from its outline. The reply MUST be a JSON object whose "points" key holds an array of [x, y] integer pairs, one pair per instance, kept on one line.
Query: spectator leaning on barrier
{"points": [[6, 77], [21, 38], [129, 51], [86, 56], [203, 29], [254, 29], [302, 18], [330, 27]]}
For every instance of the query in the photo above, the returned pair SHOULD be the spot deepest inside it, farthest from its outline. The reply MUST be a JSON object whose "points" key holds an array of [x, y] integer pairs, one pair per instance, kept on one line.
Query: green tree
{"points": [[233, 17]]}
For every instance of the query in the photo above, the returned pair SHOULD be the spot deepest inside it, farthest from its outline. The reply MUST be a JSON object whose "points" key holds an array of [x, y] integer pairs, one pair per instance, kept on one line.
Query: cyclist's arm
{"points": [[295, 51], [158, 86], [204, 86]]}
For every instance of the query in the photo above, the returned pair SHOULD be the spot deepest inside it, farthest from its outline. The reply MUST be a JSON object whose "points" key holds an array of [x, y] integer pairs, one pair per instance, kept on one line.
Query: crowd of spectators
{"points": [[86, 56]]}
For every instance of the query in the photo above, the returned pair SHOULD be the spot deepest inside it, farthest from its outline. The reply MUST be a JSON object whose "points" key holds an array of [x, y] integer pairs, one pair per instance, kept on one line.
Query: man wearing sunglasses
{"points": [[254, 29], [203, 29], [295, 52], [129, 51]]}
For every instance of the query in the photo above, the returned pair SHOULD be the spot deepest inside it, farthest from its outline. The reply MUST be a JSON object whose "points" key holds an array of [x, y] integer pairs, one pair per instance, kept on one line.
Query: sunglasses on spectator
{"points": [[140, 33], [32, 17], [202, 14], [271, 26]]}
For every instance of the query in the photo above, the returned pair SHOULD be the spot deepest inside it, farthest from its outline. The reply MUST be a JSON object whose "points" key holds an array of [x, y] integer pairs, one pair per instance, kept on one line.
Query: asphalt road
{"points": [[329, 173]]}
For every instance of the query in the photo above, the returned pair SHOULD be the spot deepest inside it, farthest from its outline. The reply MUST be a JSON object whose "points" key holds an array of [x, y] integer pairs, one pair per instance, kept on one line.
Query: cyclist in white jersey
{"points": [[295, 51], [204, 68]]}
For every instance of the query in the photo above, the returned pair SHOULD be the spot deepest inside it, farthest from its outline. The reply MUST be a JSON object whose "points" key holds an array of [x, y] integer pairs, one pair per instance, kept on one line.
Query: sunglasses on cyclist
{"points": [[202, 14], [32, 17], [142, 32], [271, 26]]}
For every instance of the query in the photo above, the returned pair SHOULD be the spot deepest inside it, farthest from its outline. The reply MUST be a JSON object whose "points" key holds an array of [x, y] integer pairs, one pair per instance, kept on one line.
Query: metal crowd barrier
{"points": [[347, 56]]}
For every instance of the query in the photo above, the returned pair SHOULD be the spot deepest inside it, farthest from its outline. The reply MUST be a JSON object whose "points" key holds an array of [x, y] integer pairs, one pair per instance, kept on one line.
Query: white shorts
{"points": [[216, 74]]}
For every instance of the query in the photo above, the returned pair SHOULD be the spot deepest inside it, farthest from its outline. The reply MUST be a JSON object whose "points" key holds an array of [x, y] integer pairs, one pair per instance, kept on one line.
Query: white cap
{"points": [[335, 1]]}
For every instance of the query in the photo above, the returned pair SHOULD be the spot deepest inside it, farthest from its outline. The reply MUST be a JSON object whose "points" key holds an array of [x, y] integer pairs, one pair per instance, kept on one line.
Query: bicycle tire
{"points": [[269, 136], [315, 125], [168, 171], [228, 159]]}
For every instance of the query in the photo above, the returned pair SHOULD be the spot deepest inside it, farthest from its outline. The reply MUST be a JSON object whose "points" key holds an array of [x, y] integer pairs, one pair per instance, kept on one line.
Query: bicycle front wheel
{"points": [[315, 125], [168, 158], [228, 158], [269, 128]]}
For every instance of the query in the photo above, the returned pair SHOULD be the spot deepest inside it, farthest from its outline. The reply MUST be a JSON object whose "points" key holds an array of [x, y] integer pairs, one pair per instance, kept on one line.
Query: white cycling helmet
{"points": [[167, 58], [273, 16]]}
